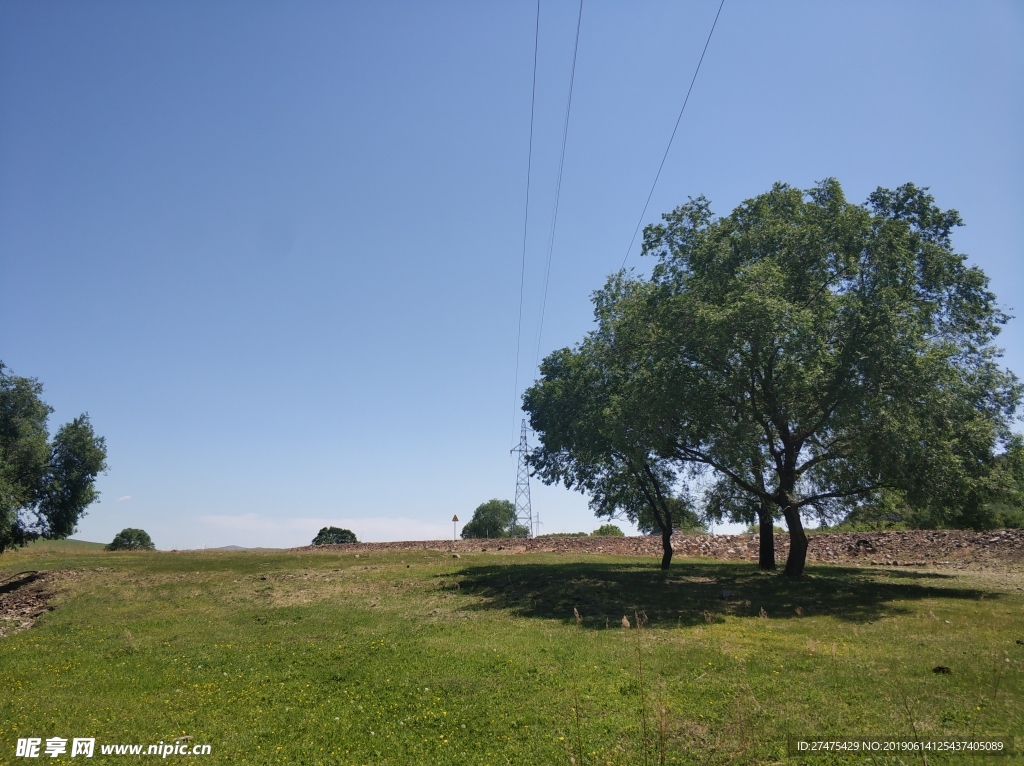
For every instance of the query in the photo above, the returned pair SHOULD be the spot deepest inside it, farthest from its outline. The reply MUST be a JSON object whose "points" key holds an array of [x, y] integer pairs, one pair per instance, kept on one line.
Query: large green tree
{"points": [[45, 484], [815, 353]]}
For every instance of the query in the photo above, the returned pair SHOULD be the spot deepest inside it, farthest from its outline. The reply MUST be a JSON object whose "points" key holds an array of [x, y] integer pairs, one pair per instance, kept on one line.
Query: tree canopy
{"points": [[130, 539], [45, 484], [593, 437], [334, 536], [802, 356], [495, 518]]}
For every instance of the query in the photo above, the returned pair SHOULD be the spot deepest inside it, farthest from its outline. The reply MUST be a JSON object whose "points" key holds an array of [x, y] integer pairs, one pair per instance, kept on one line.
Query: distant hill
{"points": [[64, 545], [71, 545]]}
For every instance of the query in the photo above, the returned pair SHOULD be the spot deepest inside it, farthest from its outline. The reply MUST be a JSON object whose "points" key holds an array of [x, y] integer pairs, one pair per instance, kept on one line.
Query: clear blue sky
{"points": [[274, 248]]}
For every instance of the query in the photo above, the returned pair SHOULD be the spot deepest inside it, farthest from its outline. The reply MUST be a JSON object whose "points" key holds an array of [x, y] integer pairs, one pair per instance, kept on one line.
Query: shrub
{"points": [[131, 540], [334, 536], [608, 530]]}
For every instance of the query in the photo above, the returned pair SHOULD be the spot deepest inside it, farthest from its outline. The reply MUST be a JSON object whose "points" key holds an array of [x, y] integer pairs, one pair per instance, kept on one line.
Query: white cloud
{"points": [[123, 497], [285, 530]]}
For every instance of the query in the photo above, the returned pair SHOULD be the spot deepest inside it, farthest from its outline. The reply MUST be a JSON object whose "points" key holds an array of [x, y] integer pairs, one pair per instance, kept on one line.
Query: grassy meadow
{"points": [[422, 658]]}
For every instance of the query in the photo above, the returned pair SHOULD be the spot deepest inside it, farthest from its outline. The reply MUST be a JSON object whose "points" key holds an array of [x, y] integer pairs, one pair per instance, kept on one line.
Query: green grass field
{"points": [[420, 658]]}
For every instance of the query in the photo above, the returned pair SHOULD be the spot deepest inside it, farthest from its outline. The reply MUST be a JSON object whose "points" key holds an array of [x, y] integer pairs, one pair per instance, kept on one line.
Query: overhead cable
{"points": [[526, 220], [678, 119], [558, 185]]}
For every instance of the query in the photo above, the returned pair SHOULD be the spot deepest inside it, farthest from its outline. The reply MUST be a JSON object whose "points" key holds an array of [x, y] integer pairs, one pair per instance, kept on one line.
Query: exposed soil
{"points": [[23, 597], [956, 549]]}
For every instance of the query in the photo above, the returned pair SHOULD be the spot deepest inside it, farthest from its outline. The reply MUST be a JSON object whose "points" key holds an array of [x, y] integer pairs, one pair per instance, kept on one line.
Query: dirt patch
{"points": [[957, 549], [23, 598]]}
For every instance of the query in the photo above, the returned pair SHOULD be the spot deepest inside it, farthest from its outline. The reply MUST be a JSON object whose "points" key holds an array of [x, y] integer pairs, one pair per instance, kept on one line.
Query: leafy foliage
{"points": [[334, 536], [684, 518], [45, 485], [130, 539], [593, 437], [800, 356], [823, 353], [495, 518], [608, 530]]}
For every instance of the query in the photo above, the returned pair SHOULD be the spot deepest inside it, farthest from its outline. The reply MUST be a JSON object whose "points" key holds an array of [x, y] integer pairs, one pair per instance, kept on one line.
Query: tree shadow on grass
{"points": [[696, 593]]}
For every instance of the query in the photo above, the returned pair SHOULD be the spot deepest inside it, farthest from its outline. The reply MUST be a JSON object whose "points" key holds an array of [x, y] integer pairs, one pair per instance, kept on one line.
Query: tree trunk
{"points": [[666, 546], [662, 514], [797, 543], [766, 544]]}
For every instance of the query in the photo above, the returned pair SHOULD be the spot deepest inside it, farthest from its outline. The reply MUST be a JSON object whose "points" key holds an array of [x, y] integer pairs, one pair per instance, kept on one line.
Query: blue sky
{"points": [[274, 248]]}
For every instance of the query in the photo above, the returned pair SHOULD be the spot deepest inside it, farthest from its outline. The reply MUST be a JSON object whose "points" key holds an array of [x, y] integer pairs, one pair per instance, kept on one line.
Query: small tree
{"points": [[130, 539], [335, 536], [593, 434], [495, 518], [607, 530], [45, 484]]}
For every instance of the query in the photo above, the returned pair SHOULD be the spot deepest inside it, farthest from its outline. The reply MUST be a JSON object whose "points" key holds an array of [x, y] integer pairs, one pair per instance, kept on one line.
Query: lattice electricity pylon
{"points": [[524, 513]]}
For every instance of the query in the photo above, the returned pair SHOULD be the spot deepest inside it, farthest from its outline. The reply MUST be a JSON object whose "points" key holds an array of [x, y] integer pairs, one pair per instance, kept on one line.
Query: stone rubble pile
{"points": [[951, 548], [23, 597]]}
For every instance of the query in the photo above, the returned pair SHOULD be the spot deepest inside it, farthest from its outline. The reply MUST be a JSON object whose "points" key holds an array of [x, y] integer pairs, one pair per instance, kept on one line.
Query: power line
{"points": [[526, 218], [558, 185], [672, 137]]}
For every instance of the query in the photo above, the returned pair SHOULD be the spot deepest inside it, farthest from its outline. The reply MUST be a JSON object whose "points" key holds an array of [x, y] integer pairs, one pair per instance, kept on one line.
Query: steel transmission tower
{"points": [[524, 513]]}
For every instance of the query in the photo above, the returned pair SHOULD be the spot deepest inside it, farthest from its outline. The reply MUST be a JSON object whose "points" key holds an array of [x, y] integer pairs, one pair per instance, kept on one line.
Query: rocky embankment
{"points": [[946, 548], [23, 597]]}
